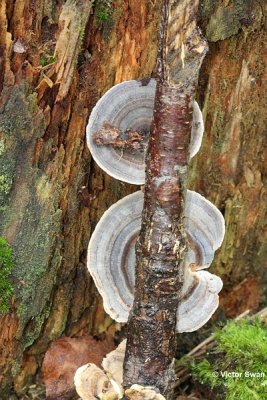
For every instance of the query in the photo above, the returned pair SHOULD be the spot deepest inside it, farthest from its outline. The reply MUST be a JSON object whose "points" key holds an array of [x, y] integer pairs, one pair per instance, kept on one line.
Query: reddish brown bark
{"points": [[54, 194], [229, 169], [162, 243]]}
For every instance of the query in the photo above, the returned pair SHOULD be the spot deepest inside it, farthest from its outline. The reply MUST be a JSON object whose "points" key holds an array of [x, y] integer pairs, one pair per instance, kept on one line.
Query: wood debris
{"points": [[109, 135]]}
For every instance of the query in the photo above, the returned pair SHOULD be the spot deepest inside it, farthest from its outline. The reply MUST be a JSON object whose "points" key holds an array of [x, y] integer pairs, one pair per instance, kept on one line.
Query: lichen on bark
{"points": [[126, 49], [51, 205], [225, 19]]}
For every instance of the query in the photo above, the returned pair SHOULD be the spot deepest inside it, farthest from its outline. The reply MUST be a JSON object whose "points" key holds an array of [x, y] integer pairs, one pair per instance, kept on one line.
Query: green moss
{"points": [[238, 363], [204, 373], [15, 368], [31, 212], [5, 183], [6, 265], [104, 11], [47, 58]]}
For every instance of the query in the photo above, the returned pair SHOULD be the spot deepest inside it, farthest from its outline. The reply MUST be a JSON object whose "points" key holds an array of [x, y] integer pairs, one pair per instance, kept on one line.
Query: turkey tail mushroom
{"points": [[197, 130], [199, 299], [113, 363], [91, 383], [111, 254], [129, 106], [205, 227], [111, 258], [138, 392]]}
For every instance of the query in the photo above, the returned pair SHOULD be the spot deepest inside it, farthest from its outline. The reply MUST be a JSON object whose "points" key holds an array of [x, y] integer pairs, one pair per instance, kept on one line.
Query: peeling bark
{"points": [[53, 174], [109, 135], [54, 194], [233, 175], [162, 243]]}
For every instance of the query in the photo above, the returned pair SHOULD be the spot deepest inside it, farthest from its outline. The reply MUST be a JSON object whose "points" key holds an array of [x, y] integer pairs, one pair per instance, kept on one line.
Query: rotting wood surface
{"points": [[162, 243], [229, 169], [54, 194]]}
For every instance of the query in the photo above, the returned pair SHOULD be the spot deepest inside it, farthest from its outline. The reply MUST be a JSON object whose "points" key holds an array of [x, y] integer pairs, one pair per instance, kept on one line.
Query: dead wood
{"points": [[162, 243], [109, 135]]}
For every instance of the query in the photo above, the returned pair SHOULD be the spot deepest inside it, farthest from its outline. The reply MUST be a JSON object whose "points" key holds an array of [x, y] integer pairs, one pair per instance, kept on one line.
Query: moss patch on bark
{"points": [[29, 214], [6, 265]]}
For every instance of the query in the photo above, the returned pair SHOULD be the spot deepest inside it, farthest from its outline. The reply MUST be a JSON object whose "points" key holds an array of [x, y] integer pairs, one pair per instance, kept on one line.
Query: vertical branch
{"points": [[162, 242]]}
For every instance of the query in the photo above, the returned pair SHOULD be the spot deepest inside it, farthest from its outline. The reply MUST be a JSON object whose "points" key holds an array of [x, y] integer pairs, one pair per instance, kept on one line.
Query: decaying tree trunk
{"points": [[57, 59], [161, 247], [231, 169], [52, 194]]}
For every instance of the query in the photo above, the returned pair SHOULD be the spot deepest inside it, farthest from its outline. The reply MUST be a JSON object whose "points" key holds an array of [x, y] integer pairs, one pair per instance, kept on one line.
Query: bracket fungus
{"points": [[125, 112], [138, 392], [111, 258], [92, 382], [113, 363]]}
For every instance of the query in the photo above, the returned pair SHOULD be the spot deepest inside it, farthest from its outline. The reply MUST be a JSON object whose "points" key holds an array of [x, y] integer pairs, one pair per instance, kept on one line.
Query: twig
{"points": [[211, 337], [181, 372]]}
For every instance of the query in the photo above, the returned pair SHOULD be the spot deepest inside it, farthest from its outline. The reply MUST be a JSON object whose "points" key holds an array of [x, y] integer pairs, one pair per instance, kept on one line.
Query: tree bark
{"points": [[230, 169], [54, 194], [161, 246], [53, 189]]}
